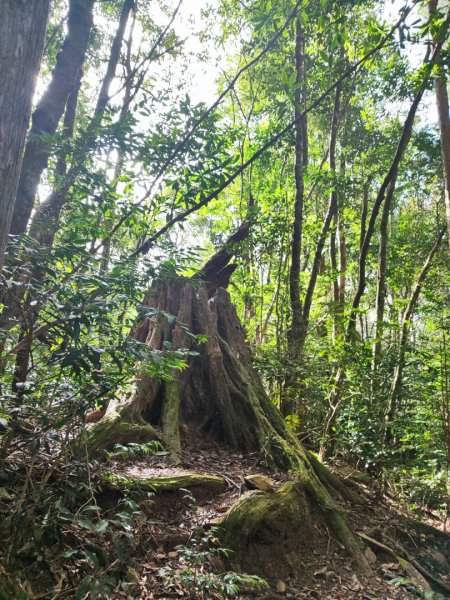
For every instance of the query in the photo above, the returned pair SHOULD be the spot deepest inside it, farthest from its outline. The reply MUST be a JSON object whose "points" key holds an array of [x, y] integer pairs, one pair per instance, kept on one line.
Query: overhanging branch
{"points": [[145, 247]]}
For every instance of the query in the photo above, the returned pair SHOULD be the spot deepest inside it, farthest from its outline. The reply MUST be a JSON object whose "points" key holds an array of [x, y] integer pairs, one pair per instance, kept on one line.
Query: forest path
{"points": [[172, 548], [177, 520]]}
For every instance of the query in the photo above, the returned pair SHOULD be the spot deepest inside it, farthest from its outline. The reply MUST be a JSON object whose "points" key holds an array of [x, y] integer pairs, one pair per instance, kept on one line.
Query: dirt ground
{"points": [[167, 556], [174, 518]]}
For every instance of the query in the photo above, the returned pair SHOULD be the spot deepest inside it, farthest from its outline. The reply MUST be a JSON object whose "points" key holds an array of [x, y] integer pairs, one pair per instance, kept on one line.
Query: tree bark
{"points": [[331, 212], [50, 108], [43, 225], [342, 276], [440, 86], [364, 211], [335, 288], [381, 289], [114, 56], [296, 333], [43, 230], [22, 35]]}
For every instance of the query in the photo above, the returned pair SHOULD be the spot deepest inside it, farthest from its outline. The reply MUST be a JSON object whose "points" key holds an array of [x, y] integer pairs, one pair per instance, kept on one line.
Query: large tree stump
{"points": [[219, 392], [221, 395]]}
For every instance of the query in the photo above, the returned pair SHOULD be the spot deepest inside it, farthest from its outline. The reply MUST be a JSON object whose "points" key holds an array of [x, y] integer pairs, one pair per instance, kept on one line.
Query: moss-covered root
{"points": [[333, 483], [185, 481], [115, 428], [171, 419], [271, 534], [274, 535], [338, 524]]}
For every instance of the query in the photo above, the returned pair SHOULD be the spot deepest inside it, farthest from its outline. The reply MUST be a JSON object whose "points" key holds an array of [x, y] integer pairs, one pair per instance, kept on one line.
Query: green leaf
{"points": [[101, 526]]}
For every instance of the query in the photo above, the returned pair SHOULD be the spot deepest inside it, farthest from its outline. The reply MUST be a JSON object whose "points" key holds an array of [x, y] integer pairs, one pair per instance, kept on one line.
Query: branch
{"points": [[387, 188], [180, 146], [145, 247]]}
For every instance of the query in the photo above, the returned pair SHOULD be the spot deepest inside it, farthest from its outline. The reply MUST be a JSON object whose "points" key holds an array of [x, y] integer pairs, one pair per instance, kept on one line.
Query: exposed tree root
{"points": [[273, 534], [119, 426], [189, 481], [418, 574], [170, 418], [335, 485], [270, 533]]}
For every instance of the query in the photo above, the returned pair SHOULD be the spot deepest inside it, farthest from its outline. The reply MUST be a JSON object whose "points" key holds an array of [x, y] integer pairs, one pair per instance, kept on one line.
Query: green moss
{"points": [[171, 419], [334, 484], [337, 523], [170, 483], [248, 513], [270, 534], [115, 428]]}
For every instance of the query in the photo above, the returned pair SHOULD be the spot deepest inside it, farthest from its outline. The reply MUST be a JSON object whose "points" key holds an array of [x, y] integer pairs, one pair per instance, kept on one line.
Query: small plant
{"points": [[132, 451], [404, 581], [99, 583], [95, 587], [195, 574]]}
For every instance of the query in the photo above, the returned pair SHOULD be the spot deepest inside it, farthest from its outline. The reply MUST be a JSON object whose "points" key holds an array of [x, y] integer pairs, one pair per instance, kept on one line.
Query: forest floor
{"points": [[175, 519], [168, 557]]}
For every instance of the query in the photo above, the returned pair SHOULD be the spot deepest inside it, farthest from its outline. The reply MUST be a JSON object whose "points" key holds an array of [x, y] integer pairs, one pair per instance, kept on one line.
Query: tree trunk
{"points": [[339, 268], [43, 225], [331, 213], [385, 192], [381, 290], [440, 86], [22, 34], [335, 287], [50, 108], [342, 277], [114, 56], [290, 401], [47, 215], [43, 230], [364, 211]]}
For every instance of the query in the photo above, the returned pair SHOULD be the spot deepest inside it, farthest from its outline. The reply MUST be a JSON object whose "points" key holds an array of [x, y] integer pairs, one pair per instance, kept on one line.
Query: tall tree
{"points": [[297, 325], [440, 86], [50, 109], [22, 34], [384, 196], [404, 334]]}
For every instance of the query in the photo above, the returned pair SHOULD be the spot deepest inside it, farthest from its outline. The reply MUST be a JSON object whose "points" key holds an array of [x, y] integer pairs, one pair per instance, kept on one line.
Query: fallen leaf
{"points": [[133, 575]]}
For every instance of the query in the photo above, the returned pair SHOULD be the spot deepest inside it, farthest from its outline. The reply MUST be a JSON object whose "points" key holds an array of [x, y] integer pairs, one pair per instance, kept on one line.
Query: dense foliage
{"points": [[324, 137]]}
